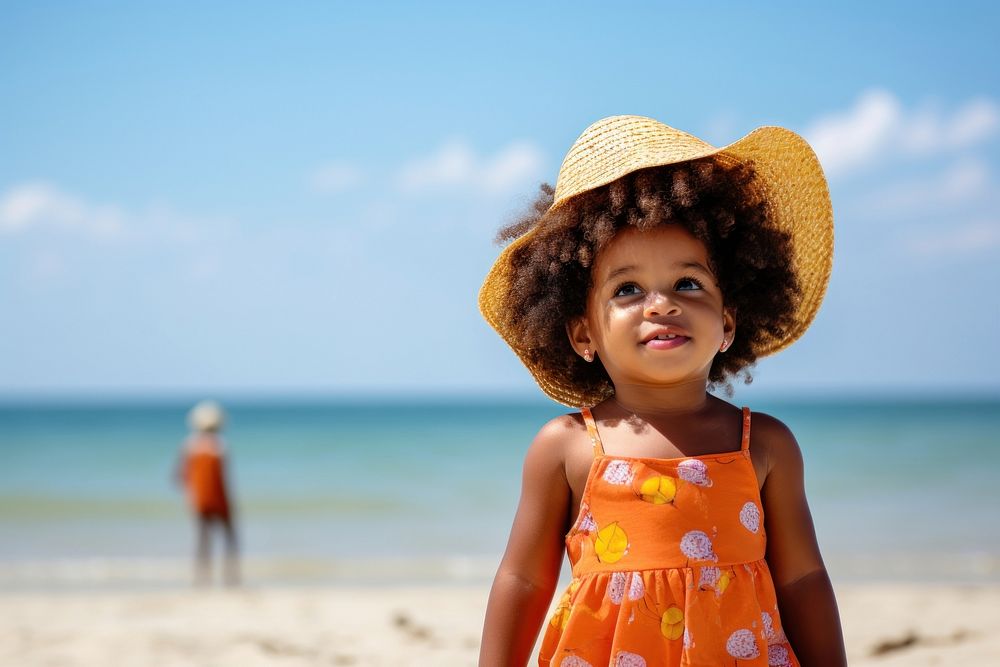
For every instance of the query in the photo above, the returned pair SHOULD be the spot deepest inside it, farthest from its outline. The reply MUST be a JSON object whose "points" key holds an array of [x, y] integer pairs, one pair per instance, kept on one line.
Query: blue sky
{"points": [[301, 198]]}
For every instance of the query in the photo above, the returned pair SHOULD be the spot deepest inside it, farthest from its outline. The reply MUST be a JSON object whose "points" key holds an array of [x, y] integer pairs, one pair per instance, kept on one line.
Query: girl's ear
{"points": [[728, 325], [579, 337]]}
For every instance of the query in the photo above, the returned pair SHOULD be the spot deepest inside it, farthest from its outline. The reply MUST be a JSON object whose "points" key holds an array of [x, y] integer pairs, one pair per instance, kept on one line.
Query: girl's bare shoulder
{"points": [[559, 435], [772, 438], [558, 439]]}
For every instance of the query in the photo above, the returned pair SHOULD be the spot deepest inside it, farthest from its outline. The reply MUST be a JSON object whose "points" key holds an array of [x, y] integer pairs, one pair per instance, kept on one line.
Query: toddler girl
{"points": [[201, 470], [658, 268]]}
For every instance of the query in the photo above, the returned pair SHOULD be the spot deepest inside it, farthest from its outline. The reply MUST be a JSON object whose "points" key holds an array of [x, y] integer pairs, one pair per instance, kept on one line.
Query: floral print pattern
{"points": [[742, 644], [619, 472], [768, 623], [611, 543], [771, 636], [696, 545], [626, 659], [587, 524], [616, 587], [714, 578], [672, 623], [694, 471], [750, 517], [707, 578], [658, 490], [561, 616], [777, 656], [636, 588]]}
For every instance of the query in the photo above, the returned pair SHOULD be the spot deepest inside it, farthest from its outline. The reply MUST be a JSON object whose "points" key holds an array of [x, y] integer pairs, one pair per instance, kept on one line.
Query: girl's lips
{"points": [[658, 344]]}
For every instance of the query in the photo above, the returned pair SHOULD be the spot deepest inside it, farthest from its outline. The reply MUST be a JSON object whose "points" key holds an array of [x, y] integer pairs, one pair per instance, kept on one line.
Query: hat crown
{"points": [[615, 146]]}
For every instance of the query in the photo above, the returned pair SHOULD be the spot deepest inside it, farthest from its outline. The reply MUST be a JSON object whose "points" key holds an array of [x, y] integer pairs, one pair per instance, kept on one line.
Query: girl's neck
{"points": [[642, 401]]}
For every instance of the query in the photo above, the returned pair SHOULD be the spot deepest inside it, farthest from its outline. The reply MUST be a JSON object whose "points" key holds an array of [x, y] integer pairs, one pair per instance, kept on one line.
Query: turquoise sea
{"points": [[392, 492]]}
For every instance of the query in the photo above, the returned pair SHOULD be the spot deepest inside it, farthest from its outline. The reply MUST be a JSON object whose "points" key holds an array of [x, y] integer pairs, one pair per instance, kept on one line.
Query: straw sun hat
{"points": [[787, 174], [207, 416]]}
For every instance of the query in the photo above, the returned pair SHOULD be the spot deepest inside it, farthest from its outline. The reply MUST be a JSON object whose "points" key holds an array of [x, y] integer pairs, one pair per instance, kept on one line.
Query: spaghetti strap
{"points": [[745, 443], [595, 438]]}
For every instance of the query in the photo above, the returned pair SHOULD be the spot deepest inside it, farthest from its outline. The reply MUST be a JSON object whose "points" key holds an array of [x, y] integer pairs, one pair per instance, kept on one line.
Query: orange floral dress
{"points": [[668, 566]]}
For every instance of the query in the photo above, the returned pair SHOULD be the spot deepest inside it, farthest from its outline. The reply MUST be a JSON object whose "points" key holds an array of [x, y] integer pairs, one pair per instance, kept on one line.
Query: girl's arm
{"points": [[529, 571], [806, 602]]}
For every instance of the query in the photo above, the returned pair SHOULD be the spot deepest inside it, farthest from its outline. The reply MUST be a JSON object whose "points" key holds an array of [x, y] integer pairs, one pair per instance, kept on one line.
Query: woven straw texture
{"points": [[788, 176]]}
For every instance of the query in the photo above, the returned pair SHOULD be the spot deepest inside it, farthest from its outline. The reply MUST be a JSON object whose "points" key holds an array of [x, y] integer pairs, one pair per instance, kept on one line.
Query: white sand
{"points": [[939, 625]]}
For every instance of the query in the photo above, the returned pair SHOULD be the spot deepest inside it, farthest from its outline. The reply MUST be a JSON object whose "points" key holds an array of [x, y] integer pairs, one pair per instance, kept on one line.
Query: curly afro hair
{"points": [[749, 256]]}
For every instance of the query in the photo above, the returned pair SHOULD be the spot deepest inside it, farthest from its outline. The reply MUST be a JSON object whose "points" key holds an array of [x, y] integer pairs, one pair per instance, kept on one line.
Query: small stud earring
{"points": [[725, 344], [587, 356]]}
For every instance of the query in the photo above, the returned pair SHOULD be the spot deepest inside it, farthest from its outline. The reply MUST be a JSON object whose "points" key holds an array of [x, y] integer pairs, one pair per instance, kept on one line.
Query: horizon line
{"points": [[531, 396]]}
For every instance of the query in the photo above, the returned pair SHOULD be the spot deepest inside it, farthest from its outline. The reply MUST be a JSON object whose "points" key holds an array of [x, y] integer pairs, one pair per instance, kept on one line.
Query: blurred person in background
{"points": [[201, 470]]}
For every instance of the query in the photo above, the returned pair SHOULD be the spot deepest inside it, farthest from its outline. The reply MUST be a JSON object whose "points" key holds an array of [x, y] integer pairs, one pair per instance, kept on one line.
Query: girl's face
{"points": [[655, 313]]}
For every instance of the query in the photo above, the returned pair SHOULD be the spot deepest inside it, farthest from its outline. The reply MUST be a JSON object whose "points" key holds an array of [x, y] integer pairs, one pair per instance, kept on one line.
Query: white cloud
{"points": [[337, 176], [928, 132], [452, 165], [962, 182], [455, 165], [961, 241], [37, 206], [847, 139], [878, 127], [77, 240], [31, 205], [515, 164]]}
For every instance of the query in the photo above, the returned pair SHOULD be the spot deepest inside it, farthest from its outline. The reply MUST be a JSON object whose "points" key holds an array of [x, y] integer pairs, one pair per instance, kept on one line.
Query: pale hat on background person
{"points": [[788, 177], [207, 416]]}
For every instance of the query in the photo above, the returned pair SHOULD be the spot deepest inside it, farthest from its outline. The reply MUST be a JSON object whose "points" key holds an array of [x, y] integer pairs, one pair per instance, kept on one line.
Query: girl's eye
{"points": [[685, 284], [628, 289]]}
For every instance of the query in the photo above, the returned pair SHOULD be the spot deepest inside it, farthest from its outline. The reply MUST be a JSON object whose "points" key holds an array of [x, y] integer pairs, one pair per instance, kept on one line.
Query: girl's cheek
{"points": [[619, 316]]}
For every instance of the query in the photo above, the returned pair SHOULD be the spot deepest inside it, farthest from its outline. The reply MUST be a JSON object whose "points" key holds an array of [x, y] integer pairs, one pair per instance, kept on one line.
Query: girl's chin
{"points": [[685, 354], [664, 377]]}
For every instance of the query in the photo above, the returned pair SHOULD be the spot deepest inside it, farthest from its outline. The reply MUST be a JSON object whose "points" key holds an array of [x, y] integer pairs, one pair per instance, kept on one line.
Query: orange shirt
{"points": [[205, 476]]}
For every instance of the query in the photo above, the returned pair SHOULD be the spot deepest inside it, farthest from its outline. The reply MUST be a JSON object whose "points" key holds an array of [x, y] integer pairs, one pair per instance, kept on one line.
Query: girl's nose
{"points": [[659, 304]]}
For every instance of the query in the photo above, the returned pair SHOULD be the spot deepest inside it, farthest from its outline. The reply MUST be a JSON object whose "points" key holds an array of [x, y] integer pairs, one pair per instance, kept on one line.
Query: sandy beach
{"points": [[884, 624]]}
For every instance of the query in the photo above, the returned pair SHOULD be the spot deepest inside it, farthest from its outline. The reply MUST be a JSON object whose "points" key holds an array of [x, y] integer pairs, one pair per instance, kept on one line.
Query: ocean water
{"points": [[426, 491]]}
